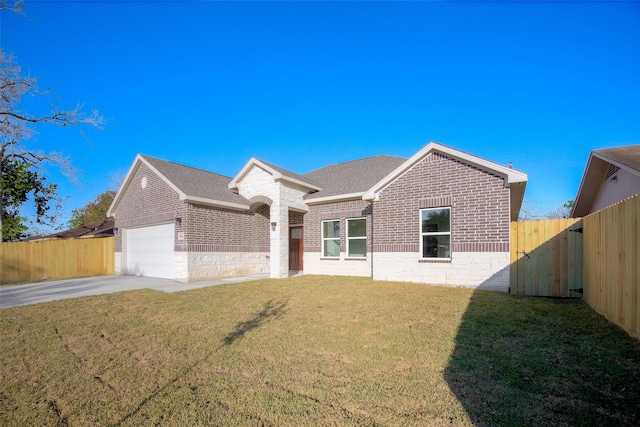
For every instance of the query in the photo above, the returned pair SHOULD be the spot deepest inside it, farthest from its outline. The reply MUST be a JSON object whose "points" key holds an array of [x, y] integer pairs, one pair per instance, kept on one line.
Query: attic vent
{"points": [[612, 170]]}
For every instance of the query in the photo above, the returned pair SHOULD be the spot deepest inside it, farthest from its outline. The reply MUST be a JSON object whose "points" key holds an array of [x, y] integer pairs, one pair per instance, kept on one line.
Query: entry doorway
{"points": [[296, 247]]}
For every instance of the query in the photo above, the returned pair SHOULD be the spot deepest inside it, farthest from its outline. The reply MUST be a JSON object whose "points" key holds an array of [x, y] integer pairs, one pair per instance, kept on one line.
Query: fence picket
{"points": [[56, 259]]}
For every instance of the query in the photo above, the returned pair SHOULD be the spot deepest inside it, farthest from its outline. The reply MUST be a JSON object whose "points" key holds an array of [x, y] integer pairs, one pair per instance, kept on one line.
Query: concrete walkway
{"points": [[34, 293]]}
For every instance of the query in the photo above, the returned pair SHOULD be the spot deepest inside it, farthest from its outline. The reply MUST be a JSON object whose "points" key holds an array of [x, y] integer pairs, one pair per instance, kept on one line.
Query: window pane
{"points": [[331, 229], [436, 246], [332, 248], [357, 227], [357, 248], [436, 220]]}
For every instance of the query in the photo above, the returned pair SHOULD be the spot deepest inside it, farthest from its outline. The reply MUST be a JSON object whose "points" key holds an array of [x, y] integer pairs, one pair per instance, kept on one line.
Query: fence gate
{"points": [[546, 258]]}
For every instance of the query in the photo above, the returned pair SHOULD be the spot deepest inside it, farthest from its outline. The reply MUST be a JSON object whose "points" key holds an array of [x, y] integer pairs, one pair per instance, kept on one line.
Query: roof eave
{"points": [[616, 163], [216, 203], [277, 176], [593, 173], [336, 198], [127, 180]]}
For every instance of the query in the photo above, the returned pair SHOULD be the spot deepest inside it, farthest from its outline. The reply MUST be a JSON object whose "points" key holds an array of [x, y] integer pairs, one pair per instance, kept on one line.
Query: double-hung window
{"points": [[435, 232], [331, 238], [357, 238]]}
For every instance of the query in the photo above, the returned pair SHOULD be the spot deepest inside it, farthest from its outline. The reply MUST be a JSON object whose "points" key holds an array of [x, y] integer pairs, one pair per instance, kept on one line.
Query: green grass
{"points": [[315, 351]]}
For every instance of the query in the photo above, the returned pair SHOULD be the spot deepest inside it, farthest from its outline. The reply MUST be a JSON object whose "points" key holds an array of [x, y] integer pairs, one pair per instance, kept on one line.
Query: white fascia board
{"points": [[136, 164], [277, 176], [218, 203], [233, 185], [577, 201], [511, 175], [165, 179], [337, 198], [297, 182], [127, 180]]}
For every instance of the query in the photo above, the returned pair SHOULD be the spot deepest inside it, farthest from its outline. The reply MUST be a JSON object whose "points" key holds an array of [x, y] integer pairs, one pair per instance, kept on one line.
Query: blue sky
{"points": [[306, 84]]}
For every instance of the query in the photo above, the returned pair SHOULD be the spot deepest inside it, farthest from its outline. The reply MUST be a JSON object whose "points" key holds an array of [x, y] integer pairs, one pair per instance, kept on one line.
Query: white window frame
{"points": [[325, 239], [437, 233], [357, 237]]}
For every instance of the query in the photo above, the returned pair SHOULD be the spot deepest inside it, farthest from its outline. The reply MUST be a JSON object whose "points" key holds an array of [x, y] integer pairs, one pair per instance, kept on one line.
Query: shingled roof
{"points": [[102, 228], [353, 177], [291, 175], [191, 184], [196, 183], [598, 166], [625, 156]]}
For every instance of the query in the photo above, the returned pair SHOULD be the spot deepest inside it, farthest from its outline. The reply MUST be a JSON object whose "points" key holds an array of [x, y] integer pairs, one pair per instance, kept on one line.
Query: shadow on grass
{"points": [[540, 361], [269, 310]]}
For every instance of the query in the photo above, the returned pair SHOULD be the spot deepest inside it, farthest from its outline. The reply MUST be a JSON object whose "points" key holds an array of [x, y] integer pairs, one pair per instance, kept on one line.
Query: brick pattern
{"points": [[338, 210], [479, 204], [155, 203], [207, 228], [296, 218], [213, 229]]}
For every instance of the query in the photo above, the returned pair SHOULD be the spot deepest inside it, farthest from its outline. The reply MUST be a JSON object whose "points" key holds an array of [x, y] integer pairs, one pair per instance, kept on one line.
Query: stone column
{"points": [[279, 249]]}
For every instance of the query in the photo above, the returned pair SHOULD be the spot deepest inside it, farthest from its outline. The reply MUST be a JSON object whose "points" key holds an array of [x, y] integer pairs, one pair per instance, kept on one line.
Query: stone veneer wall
{"points": [[204, 265], [480, 218], [480, 270], [258, 183], [314, 263]]}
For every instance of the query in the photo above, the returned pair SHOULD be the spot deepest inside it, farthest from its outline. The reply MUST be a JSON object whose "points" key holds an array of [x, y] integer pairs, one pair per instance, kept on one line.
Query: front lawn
{"points": [[315, 351]]}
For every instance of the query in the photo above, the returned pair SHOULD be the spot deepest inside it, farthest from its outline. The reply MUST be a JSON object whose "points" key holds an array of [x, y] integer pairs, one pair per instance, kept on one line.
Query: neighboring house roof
{"points": [[350, 179], [598, 165], [516, 181], [627, 156], [191, 184], [278, 173], [102, 228]]}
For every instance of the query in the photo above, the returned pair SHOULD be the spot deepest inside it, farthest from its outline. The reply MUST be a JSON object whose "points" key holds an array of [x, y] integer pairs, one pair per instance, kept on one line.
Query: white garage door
{"points": [[150, 251]]}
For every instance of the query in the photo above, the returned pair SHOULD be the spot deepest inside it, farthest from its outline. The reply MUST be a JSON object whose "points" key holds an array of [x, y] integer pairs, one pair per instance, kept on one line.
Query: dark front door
{"points": [[295, 248]]}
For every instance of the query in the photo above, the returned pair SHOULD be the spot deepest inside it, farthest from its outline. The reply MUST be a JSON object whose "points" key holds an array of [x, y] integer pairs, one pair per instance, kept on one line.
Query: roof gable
{"points": [[514, 180], [278, 173], [192, 184], [626, 157]]}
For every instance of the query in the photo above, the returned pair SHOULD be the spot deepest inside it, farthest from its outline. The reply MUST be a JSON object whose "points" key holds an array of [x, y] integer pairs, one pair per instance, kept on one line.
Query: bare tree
{"points": [[563, 211], [528, 212], [17, 126], [14, 6]]}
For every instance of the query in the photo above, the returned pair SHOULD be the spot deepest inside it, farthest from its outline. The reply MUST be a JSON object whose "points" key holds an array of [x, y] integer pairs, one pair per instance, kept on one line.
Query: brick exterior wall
{"points": [[338, 210], [479, 207], [155, 203], [296, 218], [213, 229], [205, 228]]}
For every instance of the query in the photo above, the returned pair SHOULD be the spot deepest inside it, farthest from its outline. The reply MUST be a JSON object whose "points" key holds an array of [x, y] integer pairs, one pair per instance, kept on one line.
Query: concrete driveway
{"points": [[34, 293]]}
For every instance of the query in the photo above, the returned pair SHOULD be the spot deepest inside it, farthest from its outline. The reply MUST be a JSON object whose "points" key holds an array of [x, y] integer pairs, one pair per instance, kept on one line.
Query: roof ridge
{"points": [[185, 166], [354, 160]]}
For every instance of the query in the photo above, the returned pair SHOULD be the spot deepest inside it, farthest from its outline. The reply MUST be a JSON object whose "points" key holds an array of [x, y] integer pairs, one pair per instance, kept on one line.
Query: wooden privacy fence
{"points": [[611, 273], [546, 257], [56, 259]]}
